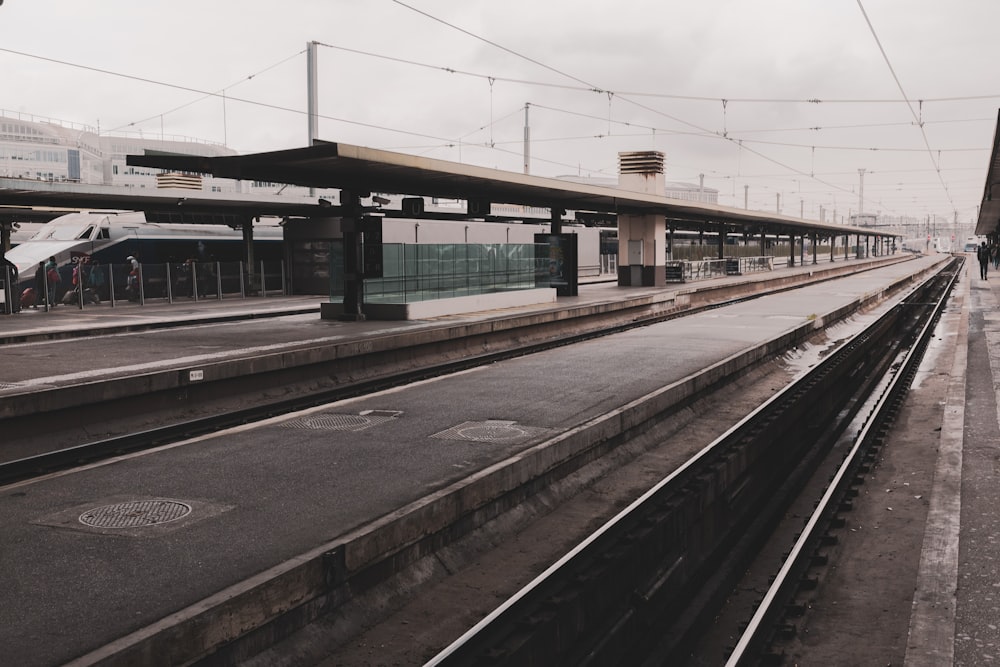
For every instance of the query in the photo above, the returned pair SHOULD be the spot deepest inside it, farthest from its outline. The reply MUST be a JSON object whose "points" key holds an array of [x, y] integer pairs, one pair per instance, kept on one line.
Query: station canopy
{"points": [[366, 170], [26, 200], [989, 212]]}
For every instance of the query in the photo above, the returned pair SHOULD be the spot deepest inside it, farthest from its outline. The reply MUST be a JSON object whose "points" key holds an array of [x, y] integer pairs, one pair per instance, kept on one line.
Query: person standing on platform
{"points": [[132, 282], [983, 255], [52, 274], [97, 279], [39, 285]]}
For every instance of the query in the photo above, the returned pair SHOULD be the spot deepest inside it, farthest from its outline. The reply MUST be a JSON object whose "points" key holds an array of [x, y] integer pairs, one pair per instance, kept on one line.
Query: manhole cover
{"points": [[491, 430], [135, 514], [335, 422]]}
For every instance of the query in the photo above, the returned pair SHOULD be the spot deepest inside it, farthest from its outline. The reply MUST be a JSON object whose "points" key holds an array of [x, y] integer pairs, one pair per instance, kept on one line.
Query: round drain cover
{"points": [[335, 422], [135, 514], [491, 431]]}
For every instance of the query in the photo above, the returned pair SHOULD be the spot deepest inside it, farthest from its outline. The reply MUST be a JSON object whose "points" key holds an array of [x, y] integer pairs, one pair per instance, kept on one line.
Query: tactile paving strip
{"points": [[135, 514]]}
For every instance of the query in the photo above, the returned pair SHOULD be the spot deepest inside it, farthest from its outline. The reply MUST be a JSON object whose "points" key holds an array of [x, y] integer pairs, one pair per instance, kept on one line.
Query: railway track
{"points": [[74, 455], [646, 586]]}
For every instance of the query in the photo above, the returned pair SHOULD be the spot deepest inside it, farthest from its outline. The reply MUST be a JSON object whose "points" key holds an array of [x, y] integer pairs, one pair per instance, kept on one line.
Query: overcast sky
{"points": [[725, 88]]}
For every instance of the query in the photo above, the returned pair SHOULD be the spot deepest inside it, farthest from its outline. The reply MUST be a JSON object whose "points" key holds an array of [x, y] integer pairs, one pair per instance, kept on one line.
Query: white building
{"points": [[43, 149], [672, 189]]}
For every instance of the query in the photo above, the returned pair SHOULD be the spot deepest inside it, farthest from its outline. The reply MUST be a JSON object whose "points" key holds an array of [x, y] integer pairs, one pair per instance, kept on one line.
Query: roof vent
{"points": [[640, 162]]}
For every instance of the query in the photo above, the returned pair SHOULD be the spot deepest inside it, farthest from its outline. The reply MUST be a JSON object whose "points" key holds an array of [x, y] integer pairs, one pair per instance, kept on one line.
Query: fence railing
{"points": [[110, 284], [684, 270]]}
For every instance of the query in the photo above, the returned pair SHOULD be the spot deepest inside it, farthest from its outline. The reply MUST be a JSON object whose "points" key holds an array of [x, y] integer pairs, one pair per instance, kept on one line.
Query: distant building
{"points": [[864, 220], [692, 192], [42, 149], [673, 189]]}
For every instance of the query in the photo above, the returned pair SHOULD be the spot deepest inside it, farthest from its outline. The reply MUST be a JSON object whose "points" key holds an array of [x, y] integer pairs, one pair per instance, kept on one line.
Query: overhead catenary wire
{"points": [[207, 94], [734, 133], [917, 117], [582, 84], [219, 92], [726, 133], [723, 135], [637, 93]]}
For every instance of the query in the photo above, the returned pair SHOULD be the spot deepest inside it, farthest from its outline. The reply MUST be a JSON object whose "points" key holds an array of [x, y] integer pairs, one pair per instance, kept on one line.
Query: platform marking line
{"points": [[931, 641]]}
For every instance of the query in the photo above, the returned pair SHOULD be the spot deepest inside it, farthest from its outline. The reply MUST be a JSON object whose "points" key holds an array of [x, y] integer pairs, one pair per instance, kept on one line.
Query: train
{"points": [[972, 243], [924, 244], [109, 237]]}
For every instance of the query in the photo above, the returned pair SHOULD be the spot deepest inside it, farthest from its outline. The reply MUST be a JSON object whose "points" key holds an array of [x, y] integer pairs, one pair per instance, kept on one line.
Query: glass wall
{"points": [[438, 271]]}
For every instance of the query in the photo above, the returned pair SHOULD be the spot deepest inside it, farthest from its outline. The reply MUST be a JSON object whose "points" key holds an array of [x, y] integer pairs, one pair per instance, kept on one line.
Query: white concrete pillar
{"points": [[642, 238]]}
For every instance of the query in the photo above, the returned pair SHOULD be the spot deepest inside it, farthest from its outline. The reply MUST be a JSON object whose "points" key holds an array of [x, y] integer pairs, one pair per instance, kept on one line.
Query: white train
{"points": [[923, 244], [109, 237]]}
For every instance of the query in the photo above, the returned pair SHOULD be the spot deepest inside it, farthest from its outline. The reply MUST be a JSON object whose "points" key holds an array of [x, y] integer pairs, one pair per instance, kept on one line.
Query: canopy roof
{"points": [[989, 212], [364, 170]]}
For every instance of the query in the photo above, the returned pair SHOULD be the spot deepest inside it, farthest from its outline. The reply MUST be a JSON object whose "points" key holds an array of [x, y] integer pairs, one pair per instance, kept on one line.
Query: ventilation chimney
{"points": [[641, 171]]}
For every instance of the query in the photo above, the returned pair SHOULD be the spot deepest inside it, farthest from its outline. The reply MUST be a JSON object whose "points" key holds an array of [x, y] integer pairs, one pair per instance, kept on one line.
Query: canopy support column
{"points": [[354, 286], [248, 255], [641, 236]]}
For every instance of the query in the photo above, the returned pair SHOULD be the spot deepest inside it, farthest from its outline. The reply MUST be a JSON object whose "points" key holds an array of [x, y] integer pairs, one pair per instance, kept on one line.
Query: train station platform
{"points": [[279, 516], [212, 349]]}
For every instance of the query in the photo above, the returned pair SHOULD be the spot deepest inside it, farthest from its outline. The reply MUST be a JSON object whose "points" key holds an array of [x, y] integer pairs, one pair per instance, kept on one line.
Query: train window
{"points": [[104, 233], [85, 234]]}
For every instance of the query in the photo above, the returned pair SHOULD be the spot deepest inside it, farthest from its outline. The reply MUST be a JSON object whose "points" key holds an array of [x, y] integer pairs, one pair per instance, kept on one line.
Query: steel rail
{"points": [[788, 575], [529, 602]]}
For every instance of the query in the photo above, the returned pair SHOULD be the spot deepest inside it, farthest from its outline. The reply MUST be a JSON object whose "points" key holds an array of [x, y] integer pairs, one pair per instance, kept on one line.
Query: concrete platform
{"points": [[955, 617], [227, 339], [265, 518]]}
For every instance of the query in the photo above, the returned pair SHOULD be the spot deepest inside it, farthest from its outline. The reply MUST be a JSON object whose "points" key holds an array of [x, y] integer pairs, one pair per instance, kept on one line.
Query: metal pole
{"points": [[243, 291], [527, 141], [7, 290], [45, 288], [284, 287], [170, 290], [194, 280], [312, 96], [111, 284], [218, 279], [861, 192], [79, 285], [142, 292], [263, 280]]}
